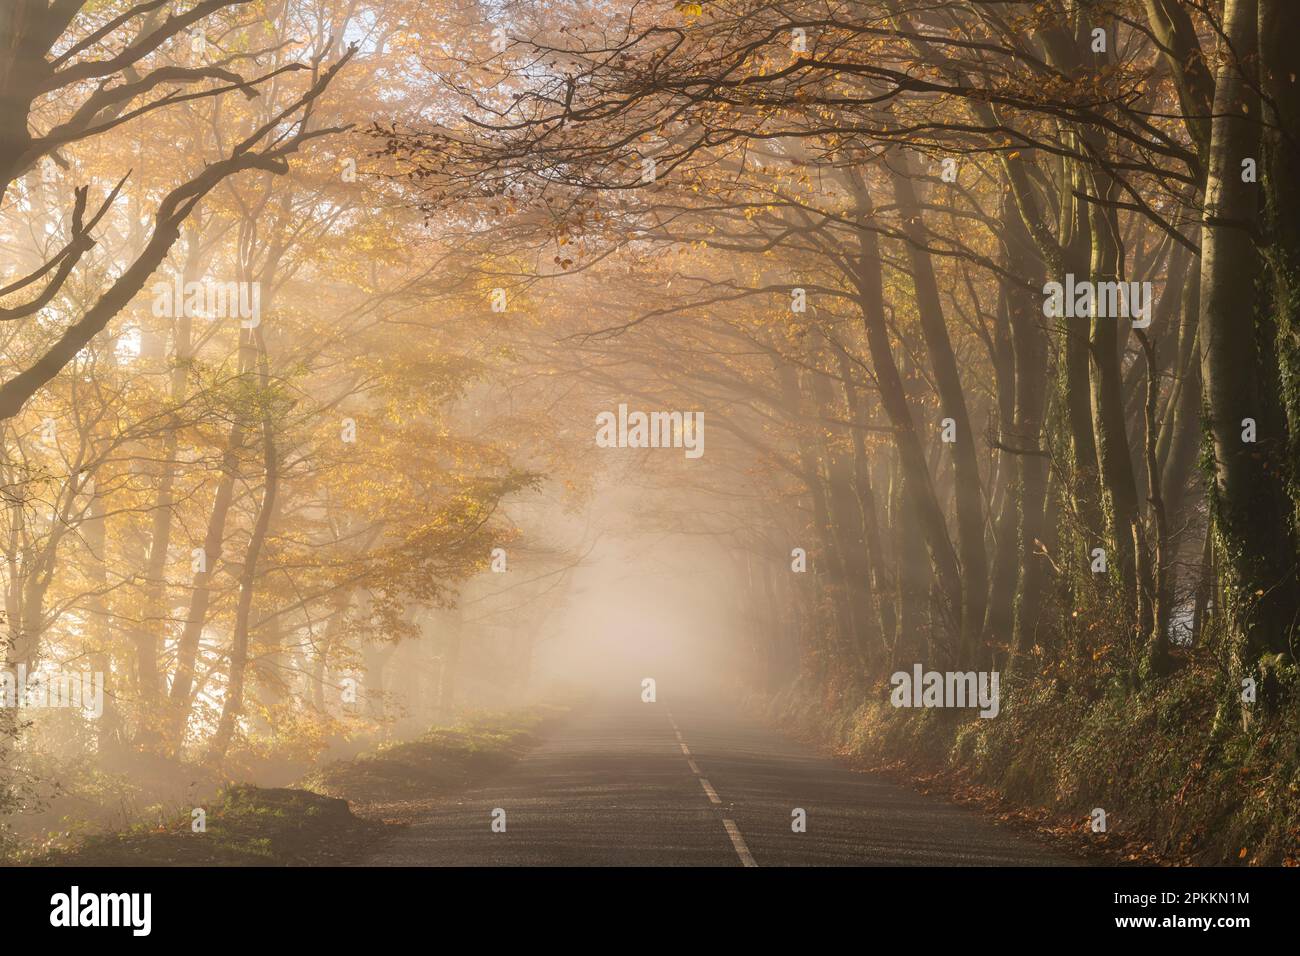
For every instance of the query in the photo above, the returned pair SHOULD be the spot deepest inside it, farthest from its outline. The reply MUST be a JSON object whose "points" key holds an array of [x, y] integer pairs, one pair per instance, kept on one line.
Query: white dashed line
{"points": [[738, 841], [733, 831]]}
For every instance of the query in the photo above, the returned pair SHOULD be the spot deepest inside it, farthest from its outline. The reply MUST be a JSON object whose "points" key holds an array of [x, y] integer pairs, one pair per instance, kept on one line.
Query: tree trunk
{"points": [[233, 705], [952, 404], [928, 514], [1251, 518]]}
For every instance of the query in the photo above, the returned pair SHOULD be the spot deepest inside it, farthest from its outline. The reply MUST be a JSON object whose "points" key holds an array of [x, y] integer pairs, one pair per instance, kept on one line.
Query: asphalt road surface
{"points": [[688, 783]]}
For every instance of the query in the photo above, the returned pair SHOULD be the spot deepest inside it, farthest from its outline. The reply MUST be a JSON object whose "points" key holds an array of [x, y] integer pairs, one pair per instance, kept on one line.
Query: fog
{"points": [[658, 606], [384, 374]]}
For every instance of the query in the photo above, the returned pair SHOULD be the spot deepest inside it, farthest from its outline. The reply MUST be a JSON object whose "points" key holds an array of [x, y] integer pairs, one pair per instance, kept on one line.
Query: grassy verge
{"points": [[1178, 786], [331, 818], [445, 759], [249, 826]]}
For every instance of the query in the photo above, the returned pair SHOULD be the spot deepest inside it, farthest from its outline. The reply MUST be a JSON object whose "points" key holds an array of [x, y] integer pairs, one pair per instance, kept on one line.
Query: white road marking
{"points": [[733, 831], [738, 841]]}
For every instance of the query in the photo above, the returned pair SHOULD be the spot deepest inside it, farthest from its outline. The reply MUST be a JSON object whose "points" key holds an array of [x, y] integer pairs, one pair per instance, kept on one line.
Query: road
{"points": [[691, 784]]}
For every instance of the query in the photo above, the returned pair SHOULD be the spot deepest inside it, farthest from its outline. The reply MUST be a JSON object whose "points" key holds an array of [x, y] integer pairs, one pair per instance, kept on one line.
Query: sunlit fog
{"points": [[559, 433]]}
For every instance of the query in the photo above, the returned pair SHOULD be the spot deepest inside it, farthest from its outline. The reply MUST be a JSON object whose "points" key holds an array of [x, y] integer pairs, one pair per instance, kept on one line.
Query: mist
{"points": [[689, 434]]}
